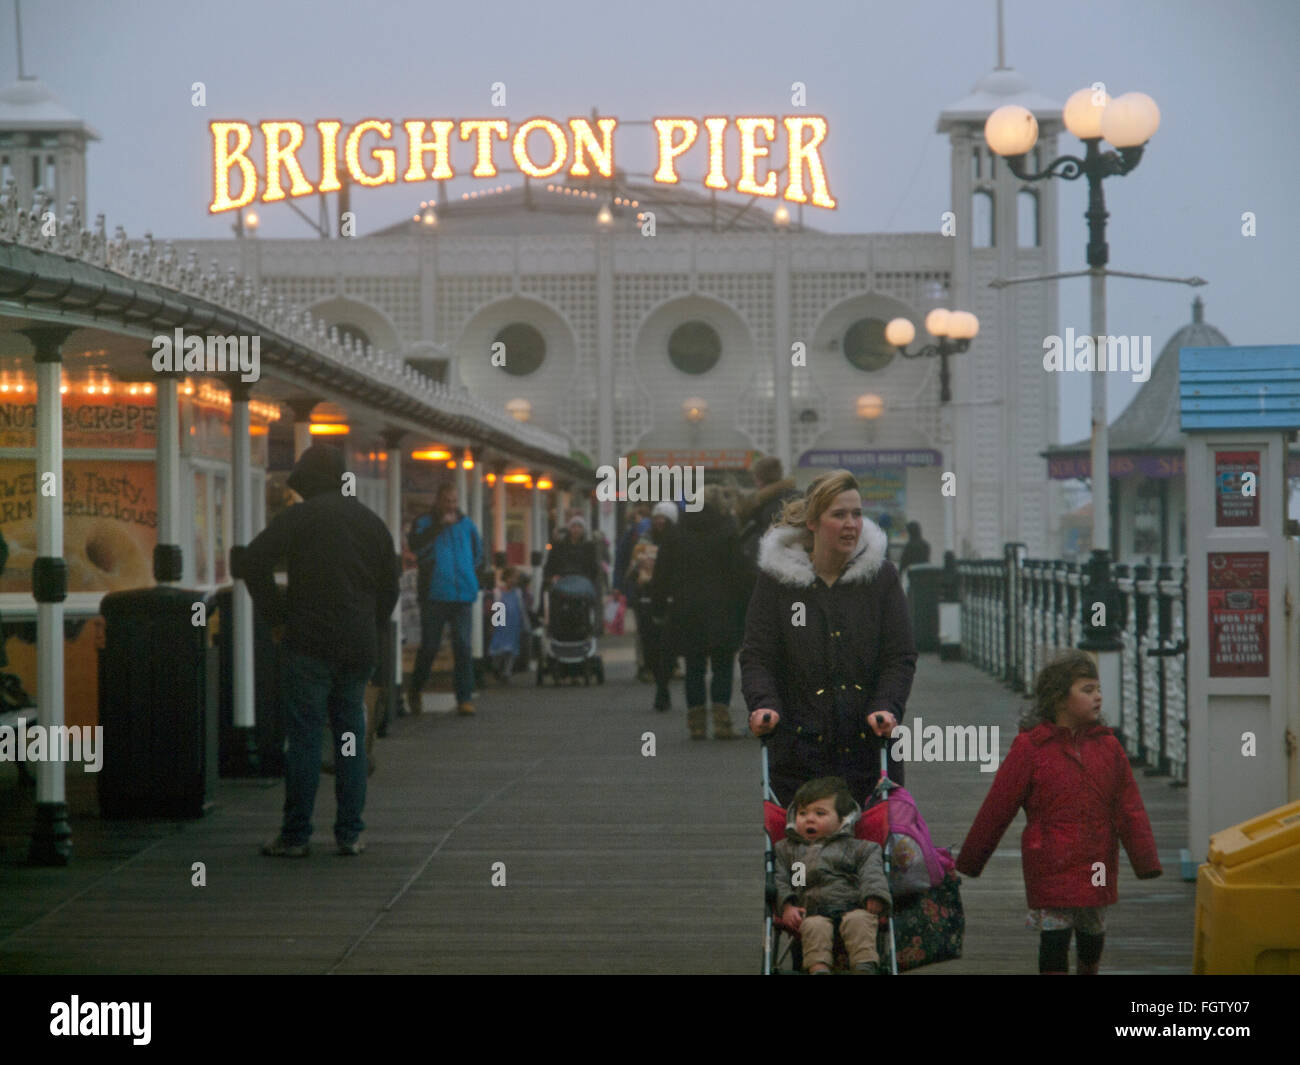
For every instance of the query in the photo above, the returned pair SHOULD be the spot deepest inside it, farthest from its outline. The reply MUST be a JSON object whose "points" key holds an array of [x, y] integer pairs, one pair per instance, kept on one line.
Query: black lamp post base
{"points": [[1099, 588], [52, 836]]}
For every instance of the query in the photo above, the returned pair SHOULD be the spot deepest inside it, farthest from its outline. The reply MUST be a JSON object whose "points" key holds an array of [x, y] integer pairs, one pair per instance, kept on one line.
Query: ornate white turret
{"points": [[42, 144]]}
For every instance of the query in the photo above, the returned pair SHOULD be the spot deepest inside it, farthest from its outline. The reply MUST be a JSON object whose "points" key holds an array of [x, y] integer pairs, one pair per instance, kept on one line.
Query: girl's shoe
{"points": [[697, 722]]}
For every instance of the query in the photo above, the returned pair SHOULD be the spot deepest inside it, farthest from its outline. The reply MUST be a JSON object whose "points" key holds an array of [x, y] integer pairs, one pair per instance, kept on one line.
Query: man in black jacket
{"points": [[343, 585]]}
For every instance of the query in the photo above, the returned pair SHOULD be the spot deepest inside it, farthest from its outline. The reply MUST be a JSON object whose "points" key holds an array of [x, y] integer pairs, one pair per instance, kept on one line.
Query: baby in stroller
{"points": [[825, 876]]}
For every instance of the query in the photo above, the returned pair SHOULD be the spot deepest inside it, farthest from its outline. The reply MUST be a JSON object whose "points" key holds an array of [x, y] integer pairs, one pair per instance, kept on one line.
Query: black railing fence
{"points": [[1017, 612]]}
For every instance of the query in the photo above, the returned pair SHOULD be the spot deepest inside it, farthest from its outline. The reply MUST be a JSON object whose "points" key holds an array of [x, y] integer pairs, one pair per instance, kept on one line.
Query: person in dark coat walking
{"points": [[659, 660], [343, 584], [756, 514], [575, 555], [696, 585], [916, 551], [828, 657]]}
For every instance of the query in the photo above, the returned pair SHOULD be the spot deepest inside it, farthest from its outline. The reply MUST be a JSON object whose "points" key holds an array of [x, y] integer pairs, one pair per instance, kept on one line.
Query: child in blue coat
{"points": [[507, 620]]}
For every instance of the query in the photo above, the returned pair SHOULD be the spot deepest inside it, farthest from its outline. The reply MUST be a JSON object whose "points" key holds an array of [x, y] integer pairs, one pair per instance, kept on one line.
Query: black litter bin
{"points": [[268, 730], [157, 705], [924, 586]]}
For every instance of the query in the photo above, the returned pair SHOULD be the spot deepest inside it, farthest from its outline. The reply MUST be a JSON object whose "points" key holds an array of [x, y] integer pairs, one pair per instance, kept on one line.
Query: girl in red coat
{"points": [[1072, 777]]}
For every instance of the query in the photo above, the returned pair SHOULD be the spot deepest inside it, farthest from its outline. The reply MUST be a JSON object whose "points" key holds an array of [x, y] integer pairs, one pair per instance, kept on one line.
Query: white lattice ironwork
{"points": [[148, 261]]}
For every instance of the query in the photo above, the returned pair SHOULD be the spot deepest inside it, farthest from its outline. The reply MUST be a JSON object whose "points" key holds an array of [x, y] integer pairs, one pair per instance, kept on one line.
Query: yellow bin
{"points": [[1248, 898]]}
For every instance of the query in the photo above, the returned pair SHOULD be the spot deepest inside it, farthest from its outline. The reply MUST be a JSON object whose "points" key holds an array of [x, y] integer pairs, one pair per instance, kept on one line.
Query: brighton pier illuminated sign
{"points": [[540, 147]]}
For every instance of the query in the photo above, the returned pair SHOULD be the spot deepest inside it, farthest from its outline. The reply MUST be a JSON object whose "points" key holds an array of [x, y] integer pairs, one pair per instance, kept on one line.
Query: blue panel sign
{"points": [[1239, 388]]}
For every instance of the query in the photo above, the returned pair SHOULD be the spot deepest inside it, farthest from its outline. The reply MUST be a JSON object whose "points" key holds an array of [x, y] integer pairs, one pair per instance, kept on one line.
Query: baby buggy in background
{"points": [[926, 922], [570, 615]]}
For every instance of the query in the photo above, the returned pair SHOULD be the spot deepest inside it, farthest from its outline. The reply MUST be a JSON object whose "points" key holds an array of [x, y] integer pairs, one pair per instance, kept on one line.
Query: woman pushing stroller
{"points": [[828, 657]]}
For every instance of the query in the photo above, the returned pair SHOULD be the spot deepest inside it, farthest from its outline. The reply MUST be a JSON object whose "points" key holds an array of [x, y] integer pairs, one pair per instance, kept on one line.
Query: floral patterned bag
{"points": [[930, 927]]}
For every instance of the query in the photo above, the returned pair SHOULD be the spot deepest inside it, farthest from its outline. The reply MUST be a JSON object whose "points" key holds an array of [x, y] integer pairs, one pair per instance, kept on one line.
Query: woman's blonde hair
{"points": [[816, 501]]}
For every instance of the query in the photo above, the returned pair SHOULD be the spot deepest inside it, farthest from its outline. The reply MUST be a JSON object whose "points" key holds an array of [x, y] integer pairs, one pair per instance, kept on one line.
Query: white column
{"points": [[51, 842], [168, 568], [476, 516], [536, 531], [605, 379], [499, 510], [476, 491], [302, 408], [241, 532], [393, 449], [462, 489], [781, 367]]}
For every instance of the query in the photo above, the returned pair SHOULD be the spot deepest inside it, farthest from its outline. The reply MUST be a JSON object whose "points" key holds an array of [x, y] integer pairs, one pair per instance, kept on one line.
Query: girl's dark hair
{"points": [[1052, 686], [826, 788]]}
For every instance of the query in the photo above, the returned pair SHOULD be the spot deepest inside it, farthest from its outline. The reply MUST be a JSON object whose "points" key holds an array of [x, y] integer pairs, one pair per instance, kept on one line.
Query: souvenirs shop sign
{"points": [[367, 152]]}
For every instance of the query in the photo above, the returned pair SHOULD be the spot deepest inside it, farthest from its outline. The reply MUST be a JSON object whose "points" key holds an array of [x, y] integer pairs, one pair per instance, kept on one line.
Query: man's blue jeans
{"points": [[314, 692], [433, 616]]}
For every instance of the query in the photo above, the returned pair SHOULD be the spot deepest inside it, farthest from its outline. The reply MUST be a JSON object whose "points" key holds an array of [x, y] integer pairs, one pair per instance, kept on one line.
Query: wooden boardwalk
{"points": [[613, 862]]}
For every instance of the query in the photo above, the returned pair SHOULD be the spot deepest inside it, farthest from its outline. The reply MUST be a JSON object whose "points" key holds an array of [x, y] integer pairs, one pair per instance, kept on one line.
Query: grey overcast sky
{"points": [[1226, 76]]}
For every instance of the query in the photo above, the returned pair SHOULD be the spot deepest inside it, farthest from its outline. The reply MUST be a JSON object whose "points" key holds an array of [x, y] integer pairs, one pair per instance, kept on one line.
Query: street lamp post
{"points": [[954, 330], [1127, 122]]}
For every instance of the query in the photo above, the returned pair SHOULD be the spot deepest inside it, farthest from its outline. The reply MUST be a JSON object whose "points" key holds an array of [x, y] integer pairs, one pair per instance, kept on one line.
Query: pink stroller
{"points": [[926, 923]]}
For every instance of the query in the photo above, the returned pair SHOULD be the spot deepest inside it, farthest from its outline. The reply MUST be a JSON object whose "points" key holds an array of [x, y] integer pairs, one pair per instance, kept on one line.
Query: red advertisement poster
{"points": [[1231, 505], [1238, 594]]}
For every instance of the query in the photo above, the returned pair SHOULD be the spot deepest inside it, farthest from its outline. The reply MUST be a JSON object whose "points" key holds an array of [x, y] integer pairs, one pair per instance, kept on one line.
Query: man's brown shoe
{"points": [[465, 709]]}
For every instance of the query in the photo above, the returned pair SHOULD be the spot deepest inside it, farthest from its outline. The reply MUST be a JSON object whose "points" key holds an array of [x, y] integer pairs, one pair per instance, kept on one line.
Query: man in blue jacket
{"points": [[450, 553]]}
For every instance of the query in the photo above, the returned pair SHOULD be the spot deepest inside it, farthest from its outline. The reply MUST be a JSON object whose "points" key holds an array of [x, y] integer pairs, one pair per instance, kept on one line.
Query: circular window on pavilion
{"points": [[865, 345], [525, 348], [695, 347]]}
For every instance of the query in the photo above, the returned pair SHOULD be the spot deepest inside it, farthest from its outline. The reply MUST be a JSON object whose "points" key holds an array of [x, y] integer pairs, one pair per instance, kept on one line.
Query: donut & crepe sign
{"points": [[368, 153]]}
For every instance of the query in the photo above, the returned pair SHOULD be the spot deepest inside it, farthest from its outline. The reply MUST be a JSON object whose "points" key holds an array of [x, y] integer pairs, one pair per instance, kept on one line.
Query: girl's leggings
{"points": [[1054, 951]]}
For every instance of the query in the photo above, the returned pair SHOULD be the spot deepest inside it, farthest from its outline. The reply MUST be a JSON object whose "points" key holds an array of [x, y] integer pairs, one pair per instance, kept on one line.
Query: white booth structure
{"points": [[1240, 406]]}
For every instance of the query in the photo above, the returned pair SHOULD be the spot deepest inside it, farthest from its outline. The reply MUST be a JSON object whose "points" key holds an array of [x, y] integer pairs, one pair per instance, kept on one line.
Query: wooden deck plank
{"points": [[614, 863]]}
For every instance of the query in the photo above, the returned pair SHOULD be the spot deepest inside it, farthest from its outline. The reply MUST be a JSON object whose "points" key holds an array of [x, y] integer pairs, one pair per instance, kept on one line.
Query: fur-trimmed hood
{"points": [[782, 556]]}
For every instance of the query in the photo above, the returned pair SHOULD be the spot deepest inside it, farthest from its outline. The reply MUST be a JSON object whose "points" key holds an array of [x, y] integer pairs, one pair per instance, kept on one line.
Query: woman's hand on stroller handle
{"points": [[762, 721], [882, 722]]}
